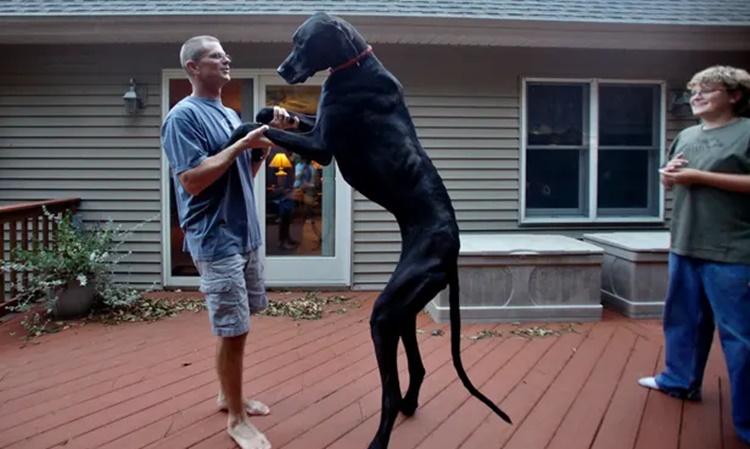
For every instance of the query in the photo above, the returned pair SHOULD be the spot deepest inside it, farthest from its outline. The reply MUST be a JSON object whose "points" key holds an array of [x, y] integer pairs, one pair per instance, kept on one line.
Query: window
{"points": [[591, 150]]}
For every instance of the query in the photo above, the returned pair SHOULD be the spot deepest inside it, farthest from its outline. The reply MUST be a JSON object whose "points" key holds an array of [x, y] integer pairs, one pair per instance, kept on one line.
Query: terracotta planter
{"points": [[73, 301]]}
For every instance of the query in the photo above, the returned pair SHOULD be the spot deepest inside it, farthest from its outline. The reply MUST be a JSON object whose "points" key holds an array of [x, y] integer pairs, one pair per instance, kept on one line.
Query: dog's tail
{"points": [[455, 318]]}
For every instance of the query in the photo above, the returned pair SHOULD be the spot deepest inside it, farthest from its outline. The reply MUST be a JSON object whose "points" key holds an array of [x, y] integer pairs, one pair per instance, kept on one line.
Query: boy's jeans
{"points": [[700, 292]]}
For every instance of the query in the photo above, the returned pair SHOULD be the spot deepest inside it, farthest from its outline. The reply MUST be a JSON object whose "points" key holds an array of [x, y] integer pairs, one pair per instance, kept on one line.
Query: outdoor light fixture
{"points": [[134, 98], [678, 101]]}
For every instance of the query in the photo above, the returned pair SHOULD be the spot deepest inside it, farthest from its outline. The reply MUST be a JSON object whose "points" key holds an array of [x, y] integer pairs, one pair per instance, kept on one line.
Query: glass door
{"points": [[304, 208], [238, 95], [306, 212]]}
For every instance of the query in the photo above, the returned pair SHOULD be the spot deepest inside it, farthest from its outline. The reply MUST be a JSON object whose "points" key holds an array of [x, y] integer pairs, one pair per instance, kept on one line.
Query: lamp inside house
{"points": [[133, 98], [281, 162]]}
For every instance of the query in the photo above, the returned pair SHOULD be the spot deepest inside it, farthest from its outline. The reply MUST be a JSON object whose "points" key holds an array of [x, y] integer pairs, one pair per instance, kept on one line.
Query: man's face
{"points": [[213, 66]]}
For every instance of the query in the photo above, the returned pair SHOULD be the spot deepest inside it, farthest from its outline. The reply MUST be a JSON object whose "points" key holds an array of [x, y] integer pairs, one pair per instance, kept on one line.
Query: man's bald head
{"points": [[193, 49]]}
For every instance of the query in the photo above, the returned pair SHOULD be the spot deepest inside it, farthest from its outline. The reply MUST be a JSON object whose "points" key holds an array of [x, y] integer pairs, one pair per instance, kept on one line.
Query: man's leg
{"points": [[229, 366], [223, 283], [229, 357], [728, 288], [688, 331], [257, 302]]}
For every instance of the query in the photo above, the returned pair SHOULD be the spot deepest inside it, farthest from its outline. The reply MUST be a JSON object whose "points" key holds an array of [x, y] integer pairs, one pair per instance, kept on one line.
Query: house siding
{"points": [[66, 135], [64, 132]]}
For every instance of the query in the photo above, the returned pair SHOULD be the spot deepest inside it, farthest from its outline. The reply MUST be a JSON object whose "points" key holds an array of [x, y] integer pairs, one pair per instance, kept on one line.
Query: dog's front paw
{"points": [[264, 116], [240, 132]]}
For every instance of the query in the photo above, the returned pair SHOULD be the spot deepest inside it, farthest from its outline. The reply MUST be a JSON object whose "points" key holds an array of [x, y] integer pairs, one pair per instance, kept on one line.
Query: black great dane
{"points": [[363, 122]]}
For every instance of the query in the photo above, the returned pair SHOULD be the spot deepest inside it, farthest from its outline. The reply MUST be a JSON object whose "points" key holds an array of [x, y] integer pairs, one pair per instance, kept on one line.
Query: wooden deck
{"points": [[142, 385]]}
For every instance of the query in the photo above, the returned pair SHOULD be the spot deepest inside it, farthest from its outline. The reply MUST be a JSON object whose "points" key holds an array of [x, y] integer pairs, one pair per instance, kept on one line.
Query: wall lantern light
{"points": [[134, 98], [678, 101]]}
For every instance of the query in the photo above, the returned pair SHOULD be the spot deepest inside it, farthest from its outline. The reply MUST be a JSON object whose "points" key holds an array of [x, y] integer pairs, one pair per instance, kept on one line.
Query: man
{"points": [[215, 201]]}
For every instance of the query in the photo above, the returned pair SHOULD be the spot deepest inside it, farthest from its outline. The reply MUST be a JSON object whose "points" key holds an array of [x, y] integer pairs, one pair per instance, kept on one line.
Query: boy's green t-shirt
{"points": [[710, 223]]}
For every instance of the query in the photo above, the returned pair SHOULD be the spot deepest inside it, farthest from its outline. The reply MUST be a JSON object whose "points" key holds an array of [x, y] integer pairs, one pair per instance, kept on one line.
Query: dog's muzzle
{"points": [[283, 72]]}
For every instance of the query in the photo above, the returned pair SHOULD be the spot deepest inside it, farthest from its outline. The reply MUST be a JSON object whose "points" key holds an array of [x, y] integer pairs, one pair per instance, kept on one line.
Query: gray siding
{"points": [[64, 132]]}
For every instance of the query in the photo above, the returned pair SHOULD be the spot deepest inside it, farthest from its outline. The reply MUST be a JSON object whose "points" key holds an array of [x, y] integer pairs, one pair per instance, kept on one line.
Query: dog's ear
{"points": [[345, 27], [349, 33], [346, 32]]}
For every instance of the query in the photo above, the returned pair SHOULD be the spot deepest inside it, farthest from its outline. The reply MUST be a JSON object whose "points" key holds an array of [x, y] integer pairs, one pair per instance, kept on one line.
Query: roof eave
{"points": [[376, 29]]}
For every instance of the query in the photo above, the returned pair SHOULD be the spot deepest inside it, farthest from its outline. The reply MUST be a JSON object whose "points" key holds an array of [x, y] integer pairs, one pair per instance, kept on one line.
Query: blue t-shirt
{"points": [[221, 221]]}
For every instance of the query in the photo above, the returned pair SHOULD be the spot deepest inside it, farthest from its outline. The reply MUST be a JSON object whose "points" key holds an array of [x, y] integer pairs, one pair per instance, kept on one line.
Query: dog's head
{"points": [[321, 42]]}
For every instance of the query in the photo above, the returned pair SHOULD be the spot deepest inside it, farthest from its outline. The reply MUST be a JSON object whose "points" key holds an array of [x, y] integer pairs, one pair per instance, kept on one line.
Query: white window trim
{"points": [[593, 153]]}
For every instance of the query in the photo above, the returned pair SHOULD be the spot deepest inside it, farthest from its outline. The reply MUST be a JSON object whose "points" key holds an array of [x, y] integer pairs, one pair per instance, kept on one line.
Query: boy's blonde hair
{"points": [[733, 80]]}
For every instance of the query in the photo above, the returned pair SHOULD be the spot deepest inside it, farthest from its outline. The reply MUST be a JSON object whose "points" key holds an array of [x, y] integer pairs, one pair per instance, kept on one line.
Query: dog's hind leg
{"points": [[384, 325], [413, 284], [416, 368]]}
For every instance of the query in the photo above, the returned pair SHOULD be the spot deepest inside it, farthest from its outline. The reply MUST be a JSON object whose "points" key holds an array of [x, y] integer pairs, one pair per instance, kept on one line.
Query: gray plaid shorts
{"points": [[234, 290]]}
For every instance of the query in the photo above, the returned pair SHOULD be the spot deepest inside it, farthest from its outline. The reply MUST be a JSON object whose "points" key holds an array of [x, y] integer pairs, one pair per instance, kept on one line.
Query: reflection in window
{"points": [[556, 114], [557, 149], [300, 193], [627, 115], [628, 149]]}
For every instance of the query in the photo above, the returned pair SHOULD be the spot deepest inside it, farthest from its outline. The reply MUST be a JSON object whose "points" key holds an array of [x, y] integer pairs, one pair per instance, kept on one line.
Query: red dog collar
{"points": [[352, 61]]}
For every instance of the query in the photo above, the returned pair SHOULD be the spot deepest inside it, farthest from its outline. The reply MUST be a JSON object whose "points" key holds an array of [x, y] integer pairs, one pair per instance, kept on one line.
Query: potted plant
{"points": [[72, 275]]}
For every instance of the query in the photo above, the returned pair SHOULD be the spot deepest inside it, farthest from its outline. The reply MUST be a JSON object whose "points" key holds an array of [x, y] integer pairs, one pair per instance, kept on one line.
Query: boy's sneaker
{"points": [[650, 382]]}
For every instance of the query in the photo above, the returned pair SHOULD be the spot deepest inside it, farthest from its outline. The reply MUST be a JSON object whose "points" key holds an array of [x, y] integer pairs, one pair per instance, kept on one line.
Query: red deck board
{"points": [[153, 385]]}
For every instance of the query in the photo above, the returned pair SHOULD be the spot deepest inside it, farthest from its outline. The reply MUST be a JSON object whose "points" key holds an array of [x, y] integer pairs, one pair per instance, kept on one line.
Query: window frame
{"points": [[593, 161]]}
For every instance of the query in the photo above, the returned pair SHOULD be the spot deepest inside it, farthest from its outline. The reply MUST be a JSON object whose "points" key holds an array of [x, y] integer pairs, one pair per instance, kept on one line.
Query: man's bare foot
{"points": [[246, 435], [253, 408]]}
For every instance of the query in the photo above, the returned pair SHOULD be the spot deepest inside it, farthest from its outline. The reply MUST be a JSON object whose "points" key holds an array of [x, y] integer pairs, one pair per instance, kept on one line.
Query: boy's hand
{"points": [[681, 176], [673, 165]]}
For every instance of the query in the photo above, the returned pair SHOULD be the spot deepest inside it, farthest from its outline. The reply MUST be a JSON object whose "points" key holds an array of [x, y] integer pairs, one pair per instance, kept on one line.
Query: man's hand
{"points": [[282, 119], [256, 139], [198, 178]]}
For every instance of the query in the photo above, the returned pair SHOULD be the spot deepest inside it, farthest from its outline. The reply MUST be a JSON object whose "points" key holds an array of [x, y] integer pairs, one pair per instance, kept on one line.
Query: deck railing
{"points": [[25, 225]]}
